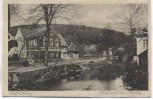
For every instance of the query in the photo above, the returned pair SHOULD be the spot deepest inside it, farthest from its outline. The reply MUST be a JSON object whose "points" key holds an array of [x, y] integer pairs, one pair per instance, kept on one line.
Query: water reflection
{"points": [[111, 85]]}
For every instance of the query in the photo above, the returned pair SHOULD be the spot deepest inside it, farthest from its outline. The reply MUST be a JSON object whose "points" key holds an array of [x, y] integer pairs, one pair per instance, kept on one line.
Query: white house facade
{"points": [[20, 49], [141, 44]]}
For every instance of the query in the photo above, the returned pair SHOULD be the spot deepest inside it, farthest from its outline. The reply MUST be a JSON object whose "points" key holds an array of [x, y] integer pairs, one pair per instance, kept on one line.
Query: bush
{"points": [[25, 63], [14, 57]]}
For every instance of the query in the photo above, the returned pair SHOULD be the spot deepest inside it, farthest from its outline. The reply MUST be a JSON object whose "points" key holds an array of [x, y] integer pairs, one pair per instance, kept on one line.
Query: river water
{"points": [[101, 85]]}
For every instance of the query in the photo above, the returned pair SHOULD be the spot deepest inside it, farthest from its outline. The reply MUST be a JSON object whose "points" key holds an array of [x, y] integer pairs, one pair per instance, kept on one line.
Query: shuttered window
{"points": [[51, 42], [145, 43]]}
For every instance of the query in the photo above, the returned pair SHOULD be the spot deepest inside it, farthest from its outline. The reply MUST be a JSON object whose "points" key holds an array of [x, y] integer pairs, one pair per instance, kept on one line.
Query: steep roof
{"points": [[73, 47], [13, 31], [33, 33], [144, 52], [143, 33], [63, 42], [36, 32]]}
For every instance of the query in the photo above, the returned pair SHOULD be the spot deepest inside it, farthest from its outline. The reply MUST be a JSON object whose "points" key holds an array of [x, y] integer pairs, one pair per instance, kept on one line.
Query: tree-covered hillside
{"points": [[83, 35]]}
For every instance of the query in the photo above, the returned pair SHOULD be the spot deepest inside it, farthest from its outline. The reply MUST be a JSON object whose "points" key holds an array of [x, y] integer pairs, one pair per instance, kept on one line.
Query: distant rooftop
{"points": [[73, 47], [143, 32]]}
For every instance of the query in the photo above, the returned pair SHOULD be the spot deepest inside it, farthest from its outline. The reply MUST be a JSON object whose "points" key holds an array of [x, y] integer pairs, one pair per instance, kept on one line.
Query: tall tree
{"points": [[106, 36], [49, 13], [13, 11], [131, 16]]}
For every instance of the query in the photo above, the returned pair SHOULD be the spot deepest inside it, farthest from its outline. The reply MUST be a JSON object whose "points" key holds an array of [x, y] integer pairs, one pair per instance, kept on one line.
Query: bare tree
{"points": [[49, 13], [107, 35], [130, 17], [13, 11]]}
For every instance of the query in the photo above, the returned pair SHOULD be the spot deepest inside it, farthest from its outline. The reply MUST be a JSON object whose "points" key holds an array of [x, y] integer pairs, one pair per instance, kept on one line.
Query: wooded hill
{"points": [[83, 35]]}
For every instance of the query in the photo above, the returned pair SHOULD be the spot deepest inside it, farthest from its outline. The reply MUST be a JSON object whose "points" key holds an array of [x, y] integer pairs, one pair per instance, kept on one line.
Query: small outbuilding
{"points": [[72, 52]]}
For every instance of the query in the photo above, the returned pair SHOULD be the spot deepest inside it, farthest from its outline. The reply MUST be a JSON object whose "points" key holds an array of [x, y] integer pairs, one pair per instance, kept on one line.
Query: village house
{"points": [[142, 48], [72, 52], [32, 42], [16, 35]]}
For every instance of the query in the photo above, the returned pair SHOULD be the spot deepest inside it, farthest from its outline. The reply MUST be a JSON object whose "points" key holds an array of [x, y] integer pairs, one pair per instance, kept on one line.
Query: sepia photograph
{"points": [[78, 47]]}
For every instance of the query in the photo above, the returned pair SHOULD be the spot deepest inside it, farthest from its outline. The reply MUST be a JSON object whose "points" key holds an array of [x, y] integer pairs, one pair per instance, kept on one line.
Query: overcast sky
{"points": [[98, 15]]}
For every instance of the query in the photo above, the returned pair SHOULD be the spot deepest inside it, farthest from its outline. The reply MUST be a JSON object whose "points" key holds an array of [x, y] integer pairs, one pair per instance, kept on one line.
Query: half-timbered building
{"points": [[32, 43]]}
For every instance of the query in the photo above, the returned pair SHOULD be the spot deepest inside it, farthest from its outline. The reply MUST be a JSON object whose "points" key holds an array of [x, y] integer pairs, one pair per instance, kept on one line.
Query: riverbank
{"points": [[136, 78], [26, 75], [82, 61], [89, 81], [104, 70], [89, 71]]}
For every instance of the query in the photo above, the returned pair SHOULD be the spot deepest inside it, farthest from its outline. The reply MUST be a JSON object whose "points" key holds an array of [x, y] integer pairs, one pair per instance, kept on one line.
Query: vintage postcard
{"points": [[76, 48]]}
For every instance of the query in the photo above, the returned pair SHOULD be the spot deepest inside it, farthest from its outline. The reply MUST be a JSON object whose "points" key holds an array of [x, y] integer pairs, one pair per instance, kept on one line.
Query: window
{"points": [[56, 54], [29, 42], [35, 42], [56, 42], [145, 43], [51, 42], [64, 55], [44, 41], [50, 55], [71, 55]]}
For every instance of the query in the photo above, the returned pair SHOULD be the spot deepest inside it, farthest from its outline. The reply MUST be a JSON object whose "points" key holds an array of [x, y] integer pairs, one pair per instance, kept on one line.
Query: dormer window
{"points": [[56, 42]]}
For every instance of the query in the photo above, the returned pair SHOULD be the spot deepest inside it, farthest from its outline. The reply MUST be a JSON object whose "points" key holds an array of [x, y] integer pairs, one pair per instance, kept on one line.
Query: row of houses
{"points": [[32, 42]]}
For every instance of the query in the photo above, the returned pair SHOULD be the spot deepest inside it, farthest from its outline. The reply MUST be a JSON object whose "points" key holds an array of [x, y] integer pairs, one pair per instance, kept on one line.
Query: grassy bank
{"points": [[103, 70]]}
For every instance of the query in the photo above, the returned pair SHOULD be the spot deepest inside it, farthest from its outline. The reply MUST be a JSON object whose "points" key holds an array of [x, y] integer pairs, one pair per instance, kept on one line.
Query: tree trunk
{"points": [[132, 40], [131, 30], [47, 43]]}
